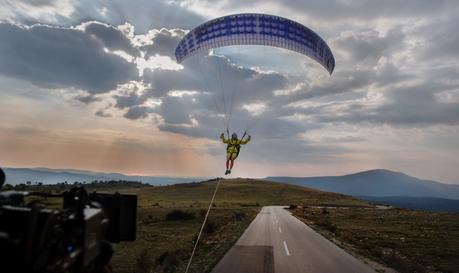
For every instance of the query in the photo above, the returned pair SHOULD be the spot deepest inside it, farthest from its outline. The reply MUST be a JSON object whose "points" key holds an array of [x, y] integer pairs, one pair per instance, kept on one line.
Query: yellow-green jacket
{"points": [[234, 145]]}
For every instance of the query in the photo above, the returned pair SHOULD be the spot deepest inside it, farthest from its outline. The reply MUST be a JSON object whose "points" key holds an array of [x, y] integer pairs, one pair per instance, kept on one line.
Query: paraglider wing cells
{"points": [[256, 29]]}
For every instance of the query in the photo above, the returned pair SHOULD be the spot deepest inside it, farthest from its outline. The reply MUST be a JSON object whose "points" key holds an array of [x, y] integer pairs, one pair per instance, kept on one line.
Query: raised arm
{"points": [[222, 137], [243, 142]]}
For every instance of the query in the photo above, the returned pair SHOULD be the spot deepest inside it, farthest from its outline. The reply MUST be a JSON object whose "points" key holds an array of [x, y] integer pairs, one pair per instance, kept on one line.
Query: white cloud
{"points": [[156, 62], [181, 93], [255, 108], [47, 11]]}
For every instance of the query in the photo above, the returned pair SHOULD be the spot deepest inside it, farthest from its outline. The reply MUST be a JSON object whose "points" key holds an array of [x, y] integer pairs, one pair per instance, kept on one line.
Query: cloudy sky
{"points": [[93, 84]]}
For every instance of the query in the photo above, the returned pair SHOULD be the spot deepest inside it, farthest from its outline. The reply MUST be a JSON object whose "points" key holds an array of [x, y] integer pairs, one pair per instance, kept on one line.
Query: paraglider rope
{"points": [[202, 226]]}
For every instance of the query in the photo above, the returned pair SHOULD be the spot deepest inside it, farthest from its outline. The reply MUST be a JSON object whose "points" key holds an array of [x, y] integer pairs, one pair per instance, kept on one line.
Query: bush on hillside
{"points": [[178, 215]]}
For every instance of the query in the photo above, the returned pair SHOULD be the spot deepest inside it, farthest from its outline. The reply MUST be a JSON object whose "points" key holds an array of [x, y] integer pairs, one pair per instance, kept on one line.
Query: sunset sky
{"points": [[94, 85]]}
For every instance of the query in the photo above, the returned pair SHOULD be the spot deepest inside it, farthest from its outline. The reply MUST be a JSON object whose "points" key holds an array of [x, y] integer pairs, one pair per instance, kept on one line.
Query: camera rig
{"points": [[76, 238]]}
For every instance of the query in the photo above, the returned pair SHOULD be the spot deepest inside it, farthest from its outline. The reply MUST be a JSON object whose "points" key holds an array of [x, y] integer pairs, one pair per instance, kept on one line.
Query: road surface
{"points": [[278, 242]]}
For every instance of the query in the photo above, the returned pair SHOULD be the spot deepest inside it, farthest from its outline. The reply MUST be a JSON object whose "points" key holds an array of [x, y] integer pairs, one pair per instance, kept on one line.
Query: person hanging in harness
{"points": [[233, 148]]}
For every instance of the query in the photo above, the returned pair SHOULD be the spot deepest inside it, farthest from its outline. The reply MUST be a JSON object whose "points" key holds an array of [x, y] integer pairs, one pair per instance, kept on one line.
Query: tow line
{"points": [[202, 226]]}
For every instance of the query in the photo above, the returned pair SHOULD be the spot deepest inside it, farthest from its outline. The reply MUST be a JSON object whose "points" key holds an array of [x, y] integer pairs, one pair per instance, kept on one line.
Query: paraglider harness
{"points": [[237, 145]]}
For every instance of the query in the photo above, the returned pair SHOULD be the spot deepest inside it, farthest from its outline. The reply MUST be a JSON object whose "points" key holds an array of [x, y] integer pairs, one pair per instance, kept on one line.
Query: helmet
{"points": [[234, 136]]}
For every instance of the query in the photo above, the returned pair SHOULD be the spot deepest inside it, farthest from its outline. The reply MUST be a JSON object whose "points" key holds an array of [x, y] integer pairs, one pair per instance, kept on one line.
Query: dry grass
{"points": [[408, 241]]}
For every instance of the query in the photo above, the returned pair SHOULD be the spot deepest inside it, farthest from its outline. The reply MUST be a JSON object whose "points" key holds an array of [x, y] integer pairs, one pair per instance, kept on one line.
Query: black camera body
{"points": [[76, 238]]}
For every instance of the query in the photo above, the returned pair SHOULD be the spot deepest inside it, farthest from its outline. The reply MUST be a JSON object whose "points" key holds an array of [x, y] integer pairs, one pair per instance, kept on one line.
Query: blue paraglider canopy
{"points": [[256, 29]]}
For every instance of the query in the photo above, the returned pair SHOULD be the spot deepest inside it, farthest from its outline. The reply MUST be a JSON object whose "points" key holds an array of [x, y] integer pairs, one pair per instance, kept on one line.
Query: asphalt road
{"points": [[278, 242]]}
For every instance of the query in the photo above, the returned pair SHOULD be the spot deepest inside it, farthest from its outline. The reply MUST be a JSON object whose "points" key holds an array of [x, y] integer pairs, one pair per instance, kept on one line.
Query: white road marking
{"points": [[280, 230], [286, 249]]}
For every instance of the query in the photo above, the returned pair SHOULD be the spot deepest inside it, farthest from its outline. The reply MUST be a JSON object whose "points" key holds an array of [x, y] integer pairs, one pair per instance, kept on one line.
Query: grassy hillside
{"points": [[242, 192]]}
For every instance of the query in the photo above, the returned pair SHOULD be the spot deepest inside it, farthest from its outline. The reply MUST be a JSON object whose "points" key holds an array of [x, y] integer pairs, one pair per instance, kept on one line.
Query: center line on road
{"points": [[280, 230], [286, 249]]}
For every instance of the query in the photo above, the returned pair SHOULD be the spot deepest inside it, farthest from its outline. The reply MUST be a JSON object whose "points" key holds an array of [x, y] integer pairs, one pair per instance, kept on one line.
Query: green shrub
{"points": [[168, 261], [210, 227], [328, 225], [179, 215], [144, 263], [239, 216]]}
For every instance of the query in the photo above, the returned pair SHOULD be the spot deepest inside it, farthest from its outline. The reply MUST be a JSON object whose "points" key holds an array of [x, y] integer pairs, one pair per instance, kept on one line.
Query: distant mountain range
{"points": [[387, 187], [16, 176], [380, 186]]}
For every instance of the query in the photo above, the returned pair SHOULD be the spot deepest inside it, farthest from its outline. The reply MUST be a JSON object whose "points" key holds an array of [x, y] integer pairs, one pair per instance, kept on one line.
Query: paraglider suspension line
{"points": [[222, 90], [202, 226], [209, 89]]}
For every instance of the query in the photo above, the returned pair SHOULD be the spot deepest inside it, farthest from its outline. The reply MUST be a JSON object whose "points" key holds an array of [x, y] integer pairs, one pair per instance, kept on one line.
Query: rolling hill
{"points": [[386, 187], [381, 183]]}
